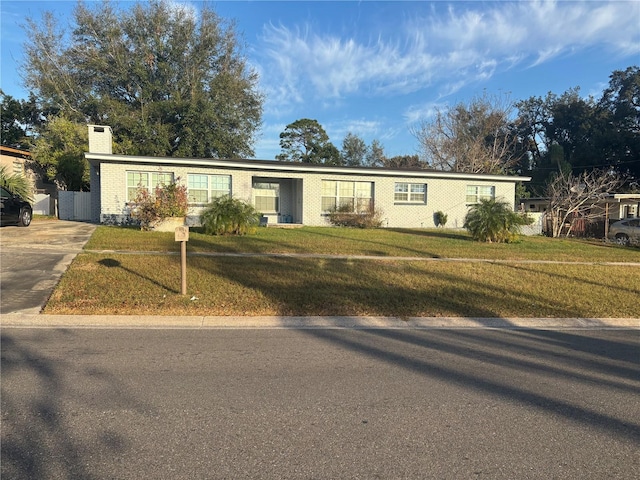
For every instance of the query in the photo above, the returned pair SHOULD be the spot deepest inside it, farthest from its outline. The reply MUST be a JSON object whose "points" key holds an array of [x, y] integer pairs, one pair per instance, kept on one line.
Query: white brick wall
{"points": [[100, 139], [445, 194]]}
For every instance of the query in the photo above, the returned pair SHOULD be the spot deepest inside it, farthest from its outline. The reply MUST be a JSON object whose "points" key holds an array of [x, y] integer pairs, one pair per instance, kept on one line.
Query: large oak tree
{"points": [[168, 79], [568, 133]]}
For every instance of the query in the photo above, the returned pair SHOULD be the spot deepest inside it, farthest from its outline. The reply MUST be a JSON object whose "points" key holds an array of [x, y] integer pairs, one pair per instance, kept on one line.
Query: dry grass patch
{"points": [[143, 284]]}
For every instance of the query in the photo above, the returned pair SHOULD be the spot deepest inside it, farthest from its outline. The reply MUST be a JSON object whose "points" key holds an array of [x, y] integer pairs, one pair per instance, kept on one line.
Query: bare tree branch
{"points": [[474, 138], [578, 196]]}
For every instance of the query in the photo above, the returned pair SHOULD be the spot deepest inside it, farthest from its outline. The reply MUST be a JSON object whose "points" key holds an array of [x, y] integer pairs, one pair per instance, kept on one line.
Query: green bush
{"points": [[494, 221], [166, 201], [440, 218], [229, 216], [362, 217]]}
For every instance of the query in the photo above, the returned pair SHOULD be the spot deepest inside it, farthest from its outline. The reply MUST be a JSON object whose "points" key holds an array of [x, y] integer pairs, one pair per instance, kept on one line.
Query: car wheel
{"points": [[622, 239], [25, 218]]}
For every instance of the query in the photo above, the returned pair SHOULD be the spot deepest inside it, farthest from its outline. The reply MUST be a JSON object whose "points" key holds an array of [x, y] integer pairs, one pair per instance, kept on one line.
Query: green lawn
{"points": [[434, 243], [132, 283]]}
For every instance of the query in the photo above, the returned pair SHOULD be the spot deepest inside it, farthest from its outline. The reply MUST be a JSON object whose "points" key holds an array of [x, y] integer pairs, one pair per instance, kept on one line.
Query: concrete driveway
{"points": [[34, 258]]}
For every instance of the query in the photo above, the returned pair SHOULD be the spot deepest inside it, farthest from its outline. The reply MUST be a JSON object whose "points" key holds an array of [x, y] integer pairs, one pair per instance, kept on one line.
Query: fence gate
{"points": [[42, 204], [74, 206], [537, 227]]}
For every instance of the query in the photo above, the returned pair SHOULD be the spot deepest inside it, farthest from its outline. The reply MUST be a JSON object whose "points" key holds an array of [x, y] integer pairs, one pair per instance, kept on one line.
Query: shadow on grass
{"points": [[38, 438], [352, 287], [477, 363], [384, 247], [202, 243], [452, 235], [113, 263], [555, 275]]}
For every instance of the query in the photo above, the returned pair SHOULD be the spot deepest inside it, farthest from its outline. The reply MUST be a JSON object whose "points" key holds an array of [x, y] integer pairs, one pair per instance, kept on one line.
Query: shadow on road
{"points": [[499, 364], [37, 419]]}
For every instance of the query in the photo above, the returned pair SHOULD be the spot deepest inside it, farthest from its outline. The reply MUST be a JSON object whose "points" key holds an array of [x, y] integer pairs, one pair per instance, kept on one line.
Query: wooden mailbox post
{"points": [[182, 236]]}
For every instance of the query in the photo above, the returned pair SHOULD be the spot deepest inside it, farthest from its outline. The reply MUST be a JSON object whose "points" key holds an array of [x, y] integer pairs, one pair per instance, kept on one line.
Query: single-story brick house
{"points": [[289, 193]]}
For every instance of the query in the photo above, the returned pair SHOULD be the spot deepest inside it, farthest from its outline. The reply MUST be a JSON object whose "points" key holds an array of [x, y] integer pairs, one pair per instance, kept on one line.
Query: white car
{"points": [[625, 231]]}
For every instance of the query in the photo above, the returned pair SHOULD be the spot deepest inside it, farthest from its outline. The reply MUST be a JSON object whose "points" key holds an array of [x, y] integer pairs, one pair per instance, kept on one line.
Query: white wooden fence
{"points": [[536, 227], [42, 204]]}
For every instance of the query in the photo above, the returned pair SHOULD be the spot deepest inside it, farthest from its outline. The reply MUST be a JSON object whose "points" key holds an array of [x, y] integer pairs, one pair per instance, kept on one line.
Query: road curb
{"points": [[17, 320]]}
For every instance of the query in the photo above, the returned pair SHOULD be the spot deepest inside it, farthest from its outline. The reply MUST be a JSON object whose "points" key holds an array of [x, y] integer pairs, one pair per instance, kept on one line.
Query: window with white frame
{"points": [[146, 180], [204, 188], [410, 193], [475, 193], [266, 197], [353, 195]]}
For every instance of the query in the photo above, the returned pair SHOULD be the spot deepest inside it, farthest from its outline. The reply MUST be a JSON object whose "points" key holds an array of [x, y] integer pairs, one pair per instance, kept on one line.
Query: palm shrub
{"points": [[441, 218], [494, 221], [229, 216], [16, 184]]}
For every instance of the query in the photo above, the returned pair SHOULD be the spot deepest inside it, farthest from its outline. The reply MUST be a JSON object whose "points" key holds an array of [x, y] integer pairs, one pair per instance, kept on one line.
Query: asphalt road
{"points": [[34, 258], [320, 404]]}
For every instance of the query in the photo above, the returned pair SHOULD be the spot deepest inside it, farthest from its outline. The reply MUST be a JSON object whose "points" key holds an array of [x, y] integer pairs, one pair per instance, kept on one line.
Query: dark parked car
{"points": [[15, 210], [625, 231]]}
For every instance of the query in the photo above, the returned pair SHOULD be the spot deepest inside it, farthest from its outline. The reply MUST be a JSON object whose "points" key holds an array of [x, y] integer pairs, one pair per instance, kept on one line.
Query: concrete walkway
{"points": [[361, 257], [271, 322]]}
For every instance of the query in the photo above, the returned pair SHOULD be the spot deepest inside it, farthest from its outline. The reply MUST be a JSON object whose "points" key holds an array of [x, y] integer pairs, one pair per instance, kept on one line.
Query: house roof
{"points": [[614, 197], [284, 167], [14, 152]]}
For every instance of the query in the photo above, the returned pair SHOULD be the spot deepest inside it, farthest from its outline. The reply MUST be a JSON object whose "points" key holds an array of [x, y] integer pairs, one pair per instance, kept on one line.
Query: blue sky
{"points": [[377, 68]]}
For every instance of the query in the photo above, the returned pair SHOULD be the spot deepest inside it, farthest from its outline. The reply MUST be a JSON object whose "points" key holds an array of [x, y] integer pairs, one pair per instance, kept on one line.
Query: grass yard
{"points": [[434, 243], [133, 283]]}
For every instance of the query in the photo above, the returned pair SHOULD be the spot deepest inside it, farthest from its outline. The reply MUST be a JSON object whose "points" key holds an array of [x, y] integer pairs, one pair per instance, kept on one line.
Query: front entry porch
{"points": [[279, 200]]}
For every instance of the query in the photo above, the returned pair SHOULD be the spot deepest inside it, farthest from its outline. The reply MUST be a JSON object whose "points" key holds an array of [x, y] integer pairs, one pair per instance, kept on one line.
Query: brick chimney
{"points": [[100, 139]]}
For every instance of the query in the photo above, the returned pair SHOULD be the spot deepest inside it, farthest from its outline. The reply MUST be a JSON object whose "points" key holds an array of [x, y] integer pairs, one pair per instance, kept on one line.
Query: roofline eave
{"points": [[274, 166]]}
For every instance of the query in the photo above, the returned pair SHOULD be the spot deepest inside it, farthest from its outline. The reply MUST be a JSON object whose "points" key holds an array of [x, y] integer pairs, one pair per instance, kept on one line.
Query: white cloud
{"points": [[267, 148], [363, 128], [183, 9], [415, 113], [469, 43]]}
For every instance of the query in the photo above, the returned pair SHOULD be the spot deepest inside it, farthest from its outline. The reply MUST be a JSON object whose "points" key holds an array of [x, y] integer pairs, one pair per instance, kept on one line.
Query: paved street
{"points": [[320, 403]]}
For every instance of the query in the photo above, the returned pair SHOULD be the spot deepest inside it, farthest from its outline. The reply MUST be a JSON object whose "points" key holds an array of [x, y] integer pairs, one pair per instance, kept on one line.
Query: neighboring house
{"points": [[20, 162], [614, 207], [13, 160], [289, 193]]}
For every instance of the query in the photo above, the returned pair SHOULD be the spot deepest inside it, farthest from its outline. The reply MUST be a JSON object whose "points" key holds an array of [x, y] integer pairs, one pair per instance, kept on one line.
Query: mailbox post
{"points": [[182, 236]]}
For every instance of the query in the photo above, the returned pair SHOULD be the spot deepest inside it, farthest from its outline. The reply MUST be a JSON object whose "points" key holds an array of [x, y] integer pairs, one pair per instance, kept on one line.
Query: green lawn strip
{"points": [[150, 285], [434, 243]]}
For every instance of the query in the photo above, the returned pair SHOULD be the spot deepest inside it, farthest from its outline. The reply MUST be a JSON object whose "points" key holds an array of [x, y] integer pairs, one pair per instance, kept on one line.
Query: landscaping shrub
{"points": [[166, 201], [363, 217], [229, 216], [440, 218], [494, 221]]}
